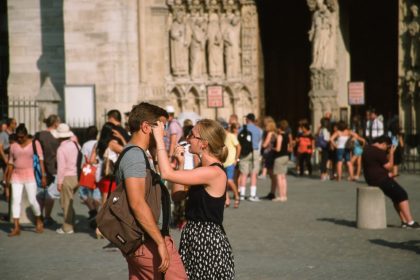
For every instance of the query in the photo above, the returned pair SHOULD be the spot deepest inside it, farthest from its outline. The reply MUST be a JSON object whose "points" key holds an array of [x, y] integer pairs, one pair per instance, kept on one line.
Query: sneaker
{"points": [[414, 225], [269, 196], [61, 231], [403, 225], [241, 197], [48, 221], [254, 198]]}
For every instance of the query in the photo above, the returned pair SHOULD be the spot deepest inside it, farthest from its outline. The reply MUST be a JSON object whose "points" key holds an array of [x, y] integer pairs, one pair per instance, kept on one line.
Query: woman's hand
{"points": [[158, 132], [179, 154]]}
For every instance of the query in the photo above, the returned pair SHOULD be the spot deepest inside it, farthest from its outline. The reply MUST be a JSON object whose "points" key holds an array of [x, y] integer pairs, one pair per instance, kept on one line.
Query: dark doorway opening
{"points": [[284, 27], [373, 39], [4, 59]]}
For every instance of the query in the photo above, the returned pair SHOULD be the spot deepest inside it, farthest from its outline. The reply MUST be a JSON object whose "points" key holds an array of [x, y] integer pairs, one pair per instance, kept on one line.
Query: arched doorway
{"points": [[284, 27]]}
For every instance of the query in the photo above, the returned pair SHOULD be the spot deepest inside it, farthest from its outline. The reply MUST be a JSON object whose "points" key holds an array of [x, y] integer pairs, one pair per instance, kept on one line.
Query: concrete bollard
{"points": [[371, 212]]}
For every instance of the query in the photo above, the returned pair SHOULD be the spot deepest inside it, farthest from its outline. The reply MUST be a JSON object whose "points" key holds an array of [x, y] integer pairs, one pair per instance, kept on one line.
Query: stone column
{"points": [[324, 67]]}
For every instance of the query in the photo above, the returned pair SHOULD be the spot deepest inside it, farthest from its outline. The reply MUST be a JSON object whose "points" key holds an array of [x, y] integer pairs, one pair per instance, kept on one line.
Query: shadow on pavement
{"points": [[412, 245], [340, 222]]}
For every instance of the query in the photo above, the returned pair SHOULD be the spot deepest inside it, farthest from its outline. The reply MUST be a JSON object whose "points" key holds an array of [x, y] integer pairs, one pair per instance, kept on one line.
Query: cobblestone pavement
{"points": [[312, 236]]}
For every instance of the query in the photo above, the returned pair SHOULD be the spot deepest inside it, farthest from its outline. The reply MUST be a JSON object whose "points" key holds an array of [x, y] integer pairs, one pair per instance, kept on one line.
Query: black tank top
{"points": [[284, 144], [203, 207]]}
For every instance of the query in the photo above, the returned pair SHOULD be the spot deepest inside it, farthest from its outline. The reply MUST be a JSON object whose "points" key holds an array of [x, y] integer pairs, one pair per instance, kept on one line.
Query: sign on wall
{"points": [[79, 104], [215, 96], [356, 93]]}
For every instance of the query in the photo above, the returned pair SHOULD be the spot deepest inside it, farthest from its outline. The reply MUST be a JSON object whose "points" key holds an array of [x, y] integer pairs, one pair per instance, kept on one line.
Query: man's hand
{"points": [[164, 256], [59, 187]]}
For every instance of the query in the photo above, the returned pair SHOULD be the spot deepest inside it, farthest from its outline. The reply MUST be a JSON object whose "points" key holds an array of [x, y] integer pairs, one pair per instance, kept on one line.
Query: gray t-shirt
{"points": [[4, 139], [133, 165]]}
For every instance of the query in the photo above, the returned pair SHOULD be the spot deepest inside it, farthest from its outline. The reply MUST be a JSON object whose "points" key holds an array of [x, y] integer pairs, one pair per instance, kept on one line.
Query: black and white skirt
{"points": [[206, 251]]}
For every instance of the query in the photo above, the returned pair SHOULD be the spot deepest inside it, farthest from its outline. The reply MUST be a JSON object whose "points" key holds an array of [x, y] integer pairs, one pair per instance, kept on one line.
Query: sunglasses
{"points": [[155, 124], [192, 136]]}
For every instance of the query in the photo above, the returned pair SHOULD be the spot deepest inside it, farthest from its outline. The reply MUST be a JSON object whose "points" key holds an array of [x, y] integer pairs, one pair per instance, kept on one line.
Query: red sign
{"points": [[356, 93], [215, 96]]}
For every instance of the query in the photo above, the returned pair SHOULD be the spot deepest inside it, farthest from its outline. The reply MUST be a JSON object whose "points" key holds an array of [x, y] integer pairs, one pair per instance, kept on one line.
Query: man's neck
{"points": [[141, 140]]}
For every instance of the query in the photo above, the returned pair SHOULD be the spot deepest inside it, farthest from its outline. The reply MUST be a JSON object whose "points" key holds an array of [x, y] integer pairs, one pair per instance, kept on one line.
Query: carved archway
{"points": [[191, 101]]}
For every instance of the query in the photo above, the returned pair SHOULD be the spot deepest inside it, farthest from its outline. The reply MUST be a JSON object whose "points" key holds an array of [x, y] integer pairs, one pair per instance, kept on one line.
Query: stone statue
{"points": [[231, 36], [215, 46], [198, 46], [179, 36], [322, 36], [413, 31]]}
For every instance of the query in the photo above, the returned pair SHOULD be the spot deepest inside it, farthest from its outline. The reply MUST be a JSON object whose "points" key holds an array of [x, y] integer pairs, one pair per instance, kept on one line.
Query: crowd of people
{"points": [[201, 163]]}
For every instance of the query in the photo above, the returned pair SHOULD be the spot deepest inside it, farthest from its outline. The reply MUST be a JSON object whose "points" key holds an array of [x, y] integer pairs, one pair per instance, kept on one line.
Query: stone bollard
{"points": [[371, 212]]}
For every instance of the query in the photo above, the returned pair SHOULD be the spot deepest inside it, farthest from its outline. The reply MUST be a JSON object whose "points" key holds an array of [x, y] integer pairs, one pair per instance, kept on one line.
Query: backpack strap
{"points": [[165, 197], [116, 167]]}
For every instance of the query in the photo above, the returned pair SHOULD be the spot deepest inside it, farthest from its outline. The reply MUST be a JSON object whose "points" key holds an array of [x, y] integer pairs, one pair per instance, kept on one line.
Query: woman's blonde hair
{"points": [[270, 125], [212, 132]]}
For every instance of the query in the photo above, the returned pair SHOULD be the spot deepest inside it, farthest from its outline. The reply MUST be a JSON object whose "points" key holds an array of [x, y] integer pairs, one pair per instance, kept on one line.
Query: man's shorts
{"points": [[248, 164], [50, 191], [343, 154], [393, 190], [280, 165], [230, 172], [84, 193]]}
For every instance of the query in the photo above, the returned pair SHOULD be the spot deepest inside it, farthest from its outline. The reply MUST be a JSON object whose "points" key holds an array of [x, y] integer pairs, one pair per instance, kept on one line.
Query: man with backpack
{"points": [[157, 255], [249, 138]]}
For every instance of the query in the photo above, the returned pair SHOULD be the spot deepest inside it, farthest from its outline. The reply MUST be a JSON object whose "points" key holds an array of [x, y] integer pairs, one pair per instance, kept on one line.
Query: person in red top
{"points": [[20, 164], [377, 164]]}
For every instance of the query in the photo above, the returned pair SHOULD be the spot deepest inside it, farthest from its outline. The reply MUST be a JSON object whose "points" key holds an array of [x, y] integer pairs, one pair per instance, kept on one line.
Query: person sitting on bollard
{"points": [[378, 160]]}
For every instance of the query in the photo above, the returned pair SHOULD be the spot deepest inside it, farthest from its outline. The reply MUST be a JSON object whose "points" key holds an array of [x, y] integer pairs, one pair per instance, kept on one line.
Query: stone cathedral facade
{"points": [[166, 52]]}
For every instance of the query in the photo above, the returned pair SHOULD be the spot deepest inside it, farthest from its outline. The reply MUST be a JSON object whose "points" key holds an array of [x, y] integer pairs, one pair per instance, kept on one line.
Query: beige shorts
{"points": [[280, 165], [248, 165]]}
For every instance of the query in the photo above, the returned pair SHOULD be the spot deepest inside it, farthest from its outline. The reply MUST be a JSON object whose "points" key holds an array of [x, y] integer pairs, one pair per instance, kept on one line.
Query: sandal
{"points": [[237, 202]]}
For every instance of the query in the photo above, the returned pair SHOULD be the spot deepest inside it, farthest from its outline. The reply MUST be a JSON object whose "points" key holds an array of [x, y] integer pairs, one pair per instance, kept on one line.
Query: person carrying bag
{"points": [[135, 217]]}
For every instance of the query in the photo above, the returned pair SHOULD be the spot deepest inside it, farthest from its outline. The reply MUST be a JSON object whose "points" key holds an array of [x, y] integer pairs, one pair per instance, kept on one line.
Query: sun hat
{"points": [[62, 131]]}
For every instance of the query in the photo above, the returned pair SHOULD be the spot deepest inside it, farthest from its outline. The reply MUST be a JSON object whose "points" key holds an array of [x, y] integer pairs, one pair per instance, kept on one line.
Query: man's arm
{"points": [[136, 188], [390, 162]]}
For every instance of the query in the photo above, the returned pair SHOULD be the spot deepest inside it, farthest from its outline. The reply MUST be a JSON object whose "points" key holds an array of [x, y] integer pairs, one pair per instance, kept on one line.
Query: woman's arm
{"points": [[332, 140], [114, 146], [117, 134], [267, 139], [198, 176]]}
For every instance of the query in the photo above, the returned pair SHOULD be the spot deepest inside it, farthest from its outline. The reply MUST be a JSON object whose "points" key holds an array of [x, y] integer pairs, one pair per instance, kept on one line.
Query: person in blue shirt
{"points": [[249, 164]]}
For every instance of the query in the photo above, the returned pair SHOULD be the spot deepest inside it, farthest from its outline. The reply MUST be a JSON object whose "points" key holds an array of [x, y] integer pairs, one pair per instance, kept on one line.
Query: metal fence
{"points": [[24, 110]]}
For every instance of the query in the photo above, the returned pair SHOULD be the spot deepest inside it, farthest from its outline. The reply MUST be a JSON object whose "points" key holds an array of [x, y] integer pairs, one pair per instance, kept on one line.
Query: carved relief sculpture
{"points": [[322, 36], [179, 38], [231, 36], [198, 46], [215, 46], [413, 31]]}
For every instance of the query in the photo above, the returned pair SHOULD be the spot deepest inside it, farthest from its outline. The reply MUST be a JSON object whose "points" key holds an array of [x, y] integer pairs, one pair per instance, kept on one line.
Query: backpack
{"points": [[78, 161], [37, 165], [305, 145], [245, 140], [320, 141], [116, 220]]}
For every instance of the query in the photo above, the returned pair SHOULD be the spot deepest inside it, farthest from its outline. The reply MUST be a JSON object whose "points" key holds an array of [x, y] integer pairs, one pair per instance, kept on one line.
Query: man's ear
{"points": [[144, 127]]}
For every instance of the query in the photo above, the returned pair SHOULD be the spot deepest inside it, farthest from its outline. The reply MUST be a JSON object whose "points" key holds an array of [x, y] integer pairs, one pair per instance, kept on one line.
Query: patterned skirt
{"points": [[206, 251]]}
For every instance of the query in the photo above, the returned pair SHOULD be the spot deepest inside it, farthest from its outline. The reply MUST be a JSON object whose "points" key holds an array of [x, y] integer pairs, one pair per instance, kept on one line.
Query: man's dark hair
{"points": [[9, 121], [91, 133], [382, 139], [250, 117], [115, 114], [144, 112]]}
